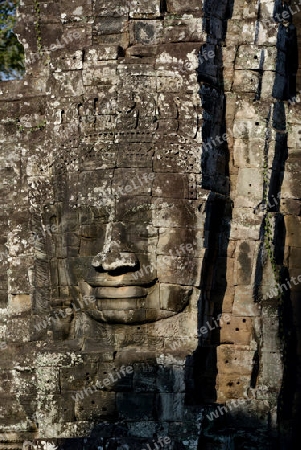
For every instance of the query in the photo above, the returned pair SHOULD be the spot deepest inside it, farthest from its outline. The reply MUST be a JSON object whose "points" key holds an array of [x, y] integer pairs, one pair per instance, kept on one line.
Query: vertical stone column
{"points": [[254, 342]]}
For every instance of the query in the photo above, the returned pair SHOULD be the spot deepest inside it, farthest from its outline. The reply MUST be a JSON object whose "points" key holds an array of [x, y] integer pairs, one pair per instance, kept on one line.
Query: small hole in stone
{"points": [[236, 329], [244, 320], [93, 402], [257, 124]]}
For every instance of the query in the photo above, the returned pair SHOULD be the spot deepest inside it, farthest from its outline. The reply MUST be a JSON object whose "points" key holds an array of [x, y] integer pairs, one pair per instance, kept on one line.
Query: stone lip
{"points": [[126, 280], [133, 316], [120, 292]]}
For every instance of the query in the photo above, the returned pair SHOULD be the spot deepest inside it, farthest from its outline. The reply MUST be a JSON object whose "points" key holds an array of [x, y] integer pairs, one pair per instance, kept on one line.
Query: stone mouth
{"points": [[120, 292], [124, 280], [116, 289], [116, 285]]}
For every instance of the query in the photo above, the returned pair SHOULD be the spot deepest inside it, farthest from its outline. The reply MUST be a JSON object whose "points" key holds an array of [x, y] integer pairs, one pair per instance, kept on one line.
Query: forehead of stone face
{"points": [[133, 169]]}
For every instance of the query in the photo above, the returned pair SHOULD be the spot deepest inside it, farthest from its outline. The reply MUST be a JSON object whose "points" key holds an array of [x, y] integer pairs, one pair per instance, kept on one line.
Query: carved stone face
{"points": [[129, 223], [130, 244]]}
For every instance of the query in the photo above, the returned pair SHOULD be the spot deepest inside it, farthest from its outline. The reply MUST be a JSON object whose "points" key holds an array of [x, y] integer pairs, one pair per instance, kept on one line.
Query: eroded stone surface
{"points": [[135, 168]]}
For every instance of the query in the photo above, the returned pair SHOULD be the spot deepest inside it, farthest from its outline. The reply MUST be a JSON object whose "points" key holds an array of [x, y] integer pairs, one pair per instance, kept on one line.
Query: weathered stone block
{"points": [[233, 359], [172, 296], [252, 57], [187, 30], [103, 53], [290, 183], [177, 7], [238, 331], [166, 159], [176, 186], [272, 369], [19, 303], [169, 83], [67, 83], [143, 32], [246, 81], [249, 187], [177, 270], [13, 327], [76, 8], [270, 330], [244, 30], [144, 9], [243, 267], [292, 226], [228, 299], [95, 404], [84, 376], [105, 25], [229, 387], [104, 74], [244, 304], [245, 224], [248, 153], [290, 207]]}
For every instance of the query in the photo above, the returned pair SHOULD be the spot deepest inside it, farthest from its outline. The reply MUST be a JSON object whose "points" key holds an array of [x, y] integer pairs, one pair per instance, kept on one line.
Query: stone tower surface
{"points": [[150, 208]]}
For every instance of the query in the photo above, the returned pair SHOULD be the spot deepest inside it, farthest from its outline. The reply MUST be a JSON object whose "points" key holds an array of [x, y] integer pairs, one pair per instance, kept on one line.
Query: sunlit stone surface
{"points": [[140, 156]]}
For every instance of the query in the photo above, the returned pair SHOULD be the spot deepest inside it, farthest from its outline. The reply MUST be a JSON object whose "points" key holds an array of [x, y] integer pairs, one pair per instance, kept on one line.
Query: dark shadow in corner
{"points": [[215, 178], [285, 89], [287, 53]]}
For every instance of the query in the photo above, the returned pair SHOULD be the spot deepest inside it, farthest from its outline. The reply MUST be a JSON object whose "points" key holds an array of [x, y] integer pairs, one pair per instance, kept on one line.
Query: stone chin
{"points": [[134, 304], [128, 317]]}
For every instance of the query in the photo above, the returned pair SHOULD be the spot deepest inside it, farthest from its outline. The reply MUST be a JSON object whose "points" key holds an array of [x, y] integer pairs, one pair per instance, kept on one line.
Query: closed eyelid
{"points": [[138, 209], [147, 234]]}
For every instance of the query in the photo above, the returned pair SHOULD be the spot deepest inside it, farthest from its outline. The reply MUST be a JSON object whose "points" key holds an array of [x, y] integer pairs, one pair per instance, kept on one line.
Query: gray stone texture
{"points": [[134, 173]]}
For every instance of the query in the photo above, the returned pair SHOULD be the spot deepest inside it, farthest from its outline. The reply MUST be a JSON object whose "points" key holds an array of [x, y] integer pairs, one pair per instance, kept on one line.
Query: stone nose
{"points": [[114, 260], [114, 255]]}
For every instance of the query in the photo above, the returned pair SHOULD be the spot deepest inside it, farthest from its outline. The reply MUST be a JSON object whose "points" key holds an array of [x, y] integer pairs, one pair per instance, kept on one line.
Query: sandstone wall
{"points": [[174, 115]]}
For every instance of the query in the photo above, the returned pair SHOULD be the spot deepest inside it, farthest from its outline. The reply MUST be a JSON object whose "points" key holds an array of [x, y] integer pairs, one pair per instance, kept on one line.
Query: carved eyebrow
{"points": [[137, 209], [100, 209]]}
